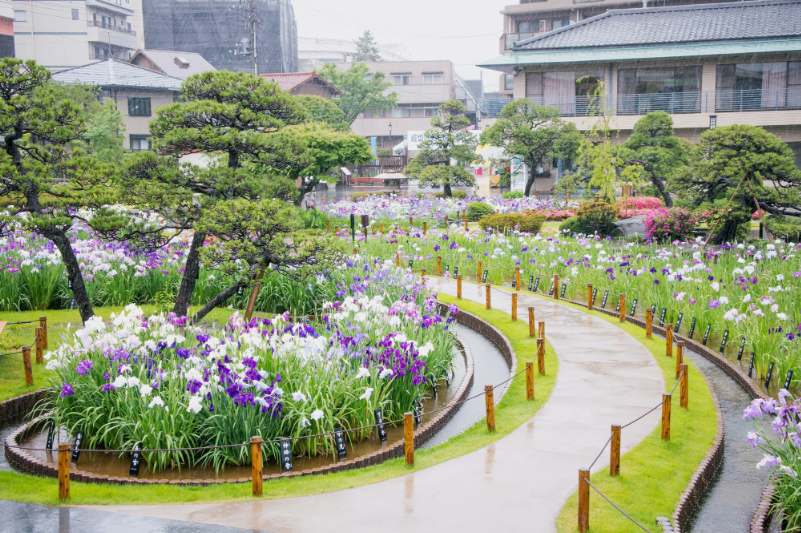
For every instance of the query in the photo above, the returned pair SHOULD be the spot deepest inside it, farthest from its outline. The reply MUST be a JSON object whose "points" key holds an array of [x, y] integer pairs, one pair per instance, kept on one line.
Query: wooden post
{"points": [[446, 222], [622, 307], [63, 471], [614, 452], [679, 357], [397, 259], [38, 341], [382, 228], [459, 287], [411, 223], [556, 286], [649, 321], [489, 297], [328, 226], [43, 325], [408, 438], [26, 363], [425, 227], [669, 340], [666, 416], [354, 251], [255, 452], [490, 407], [589, 297], [465, 223], [423, 275], [514, 306], [478, 273], [542, 329], [541, 356], [517, 278], [439, 264], [684, 390], [529, 380], [532, 326], [583, 501]]}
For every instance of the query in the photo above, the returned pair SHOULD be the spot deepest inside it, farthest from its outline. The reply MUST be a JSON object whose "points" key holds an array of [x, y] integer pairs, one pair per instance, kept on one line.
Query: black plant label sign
{"points": [[484, 276], [740, 351], [789, 379], [72, 303], [339, 444], [418, 408], [136, 459], [678, 321], [69, 283], [531, 283], [751, 366], [241, 290], [724, 341], [536, 284], [286, 456], [770, 374], [447, 269], [606, 297], [662, 317], [411, 263], [50, 432], [692, 327], [382, 430], [550, 292], [706, 333], [633, 306], [455, 271], [564, 288], [594, 294], [77, 451], [617, 307]]}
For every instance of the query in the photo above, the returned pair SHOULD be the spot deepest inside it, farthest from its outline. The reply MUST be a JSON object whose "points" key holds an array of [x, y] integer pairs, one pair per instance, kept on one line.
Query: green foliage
{"points": [[508, 221], [512, 194], [595, 217], [745, 163], [319, 109], [361, 90], [788, 228], [450, 141], [105, 134], [366, 49], [572, 225], [476, 210], [313, 219], [533, 133], [454, 194]]}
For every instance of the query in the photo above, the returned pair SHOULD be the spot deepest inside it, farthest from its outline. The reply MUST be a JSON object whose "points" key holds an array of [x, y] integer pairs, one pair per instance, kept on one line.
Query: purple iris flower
{"points": [[66, 390]]}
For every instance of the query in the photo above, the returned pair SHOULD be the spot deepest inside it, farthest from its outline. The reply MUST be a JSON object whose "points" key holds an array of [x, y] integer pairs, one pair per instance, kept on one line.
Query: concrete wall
{"points": [[139, 125]]}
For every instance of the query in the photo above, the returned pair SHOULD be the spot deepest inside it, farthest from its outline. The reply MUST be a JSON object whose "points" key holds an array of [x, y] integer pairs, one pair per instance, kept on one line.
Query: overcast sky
{"points": [[463, 31]]}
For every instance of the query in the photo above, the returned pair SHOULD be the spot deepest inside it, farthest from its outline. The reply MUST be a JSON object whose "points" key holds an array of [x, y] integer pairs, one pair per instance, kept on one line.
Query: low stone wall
{"points": [[20, 405]]}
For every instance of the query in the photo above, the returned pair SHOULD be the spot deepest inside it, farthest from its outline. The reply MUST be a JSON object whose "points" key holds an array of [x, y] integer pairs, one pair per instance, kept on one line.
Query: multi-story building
{"points": [[64, 34], [706, 65], [136, 91], [422, 86], [6, 29], [313, 53], [533, 17]]}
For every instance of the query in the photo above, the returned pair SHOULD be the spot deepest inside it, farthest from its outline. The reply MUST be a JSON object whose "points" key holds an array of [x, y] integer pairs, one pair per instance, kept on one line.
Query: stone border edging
{"points": [[20, 405], [24, 462]]}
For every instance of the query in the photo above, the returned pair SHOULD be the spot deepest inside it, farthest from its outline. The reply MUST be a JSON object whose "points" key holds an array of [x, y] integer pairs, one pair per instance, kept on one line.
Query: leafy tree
{"points": [[361, 91], [653, 146], [449, 142], [40, 177], [535, 134], [229, 112], [366, 49], [105, 134], [319, 109], [742, 165]]}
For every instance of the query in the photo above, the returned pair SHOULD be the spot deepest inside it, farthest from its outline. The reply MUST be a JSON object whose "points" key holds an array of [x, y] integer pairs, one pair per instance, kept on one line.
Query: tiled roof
{"points": [[114, 73], [165, 60], [291, 80], [749, 20]]}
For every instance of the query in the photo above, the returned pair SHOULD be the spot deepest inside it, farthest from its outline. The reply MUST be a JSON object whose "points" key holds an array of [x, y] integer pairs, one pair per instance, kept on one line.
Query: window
{"points": [[138, 107], [560, 23], [528, 26], [570, 92], [402, 79], [431, 111], [670, 89], [509, 82], [75, 15], [755, 86], [20, 16], [140, 143], [432, 79], [401, 112]]}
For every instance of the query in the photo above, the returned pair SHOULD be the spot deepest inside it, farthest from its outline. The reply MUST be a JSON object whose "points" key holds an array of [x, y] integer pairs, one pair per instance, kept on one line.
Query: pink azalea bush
{"points": [[675, 224], [638, 206], [553, 214]]}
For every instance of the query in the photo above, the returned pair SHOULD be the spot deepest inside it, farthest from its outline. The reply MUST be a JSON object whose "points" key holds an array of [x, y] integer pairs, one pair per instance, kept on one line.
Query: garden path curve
{"points": [[521, 481]]}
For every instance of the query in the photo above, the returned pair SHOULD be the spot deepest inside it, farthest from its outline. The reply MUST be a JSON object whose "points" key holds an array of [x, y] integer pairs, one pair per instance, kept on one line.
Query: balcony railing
{"points": [[110, 27], [509, 39], [671, 103]]}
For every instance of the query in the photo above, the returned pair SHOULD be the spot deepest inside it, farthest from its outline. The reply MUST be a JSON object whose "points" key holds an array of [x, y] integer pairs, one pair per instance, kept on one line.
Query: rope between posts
{"points": [[643, 416], [602, 451], [22, 322], [10, 353], [677, 383], [624, 513]]}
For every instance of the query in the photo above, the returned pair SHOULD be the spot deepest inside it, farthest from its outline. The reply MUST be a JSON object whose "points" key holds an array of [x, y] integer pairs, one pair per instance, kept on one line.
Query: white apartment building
{"points": [[65, 34]]}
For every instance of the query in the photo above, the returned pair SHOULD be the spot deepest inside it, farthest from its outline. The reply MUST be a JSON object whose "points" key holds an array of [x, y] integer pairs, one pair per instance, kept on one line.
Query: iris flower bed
{"points": [[165, 384]]}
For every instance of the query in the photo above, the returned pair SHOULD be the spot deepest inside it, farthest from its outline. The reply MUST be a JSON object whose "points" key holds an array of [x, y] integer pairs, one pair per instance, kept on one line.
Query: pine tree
{"points": [[366, 49]]}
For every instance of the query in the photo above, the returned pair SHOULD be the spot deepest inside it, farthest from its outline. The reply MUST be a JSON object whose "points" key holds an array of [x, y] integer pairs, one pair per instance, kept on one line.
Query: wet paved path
{"points": [[520, 482]]}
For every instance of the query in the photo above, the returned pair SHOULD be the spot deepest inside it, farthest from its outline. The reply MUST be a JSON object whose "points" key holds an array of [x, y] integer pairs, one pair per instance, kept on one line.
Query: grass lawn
{"points": [[511, 413]]}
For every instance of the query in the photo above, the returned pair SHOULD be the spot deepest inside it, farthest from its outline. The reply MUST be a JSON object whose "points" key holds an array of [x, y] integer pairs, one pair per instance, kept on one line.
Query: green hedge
{"points": [[503, 222]]}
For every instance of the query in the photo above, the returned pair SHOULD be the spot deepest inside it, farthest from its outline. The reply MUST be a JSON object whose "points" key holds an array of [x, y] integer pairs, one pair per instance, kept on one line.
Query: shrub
{"points": [[571, 225], [502, 222], [476, 210], [552, 214], [454, 194], [595, 217], [512, 194], [674, 224]]}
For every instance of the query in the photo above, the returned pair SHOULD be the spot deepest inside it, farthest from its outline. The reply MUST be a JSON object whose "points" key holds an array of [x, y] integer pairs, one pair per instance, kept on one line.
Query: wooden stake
{"points": [[556, 286], [43, 325], [328, 226], [478, 275], [439, 264], [622, 308], [514, 306], [666, 416], [408, 438], [589, 297], [255, 452], [679, 357], [411, 222], [684, 389], [489, 298], [541, 355], [529, 380], [382, 228], [459, 287], [423, 275], [425, 227], [614, 452], [649, 322], [583, 501], [669, 340], [354, 251], [517, 278], [465, 223], [63, 471], [542, 330], [490, 407], [26, 363], [38, 342], [532, 326]]}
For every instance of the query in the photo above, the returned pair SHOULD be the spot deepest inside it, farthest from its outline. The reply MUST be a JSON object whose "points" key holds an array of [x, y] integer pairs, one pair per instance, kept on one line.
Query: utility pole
{"points": [[251, 22]]}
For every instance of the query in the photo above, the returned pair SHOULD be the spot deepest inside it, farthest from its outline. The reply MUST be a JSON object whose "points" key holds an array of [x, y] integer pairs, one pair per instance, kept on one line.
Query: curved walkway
{"points": [[520, 482]]}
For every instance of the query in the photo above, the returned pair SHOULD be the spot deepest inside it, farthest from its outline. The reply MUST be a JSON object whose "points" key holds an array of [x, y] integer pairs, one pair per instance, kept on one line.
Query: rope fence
{"points": [[39, 343]]}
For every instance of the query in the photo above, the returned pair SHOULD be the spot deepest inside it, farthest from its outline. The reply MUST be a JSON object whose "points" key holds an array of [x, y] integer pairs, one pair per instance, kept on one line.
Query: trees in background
{"points": [[535, 134], [446, 150], [319, 109], [361, 90], [366, 49]]}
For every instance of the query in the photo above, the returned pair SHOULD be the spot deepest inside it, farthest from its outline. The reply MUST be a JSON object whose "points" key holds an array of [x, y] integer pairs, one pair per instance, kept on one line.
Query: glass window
{"points": [[432, 79], [20, 16], [138, 107], [670, 89], [559, 23], [402, 79], [431, 111], [528, 26], [75, 14], [401, 112], [140, 143], [534, 85], [509, 82]]}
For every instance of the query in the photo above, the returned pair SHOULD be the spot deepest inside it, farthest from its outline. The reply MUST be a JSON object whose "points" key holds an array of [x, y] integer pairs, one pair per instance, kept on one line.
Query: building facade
{"points": [[64, 34], [6, 29], [706, 65], [313, 53]]}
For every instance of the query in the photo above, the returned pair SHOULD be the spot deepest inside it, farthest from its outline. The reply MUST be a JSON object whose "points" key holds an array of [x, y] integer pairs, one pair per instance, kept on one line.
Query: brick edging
{"points": [[20, 405], [23, 461], [760, 521]]}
